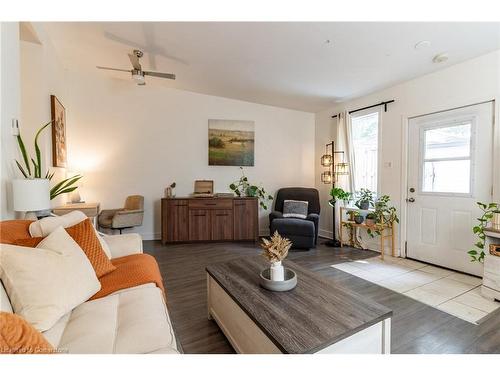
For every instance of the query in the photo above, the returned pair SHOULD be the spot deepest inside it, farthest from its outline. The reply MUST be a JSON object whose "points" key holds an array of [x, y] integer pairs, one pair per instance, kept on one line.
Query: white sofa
{"points": [[133, 320]]}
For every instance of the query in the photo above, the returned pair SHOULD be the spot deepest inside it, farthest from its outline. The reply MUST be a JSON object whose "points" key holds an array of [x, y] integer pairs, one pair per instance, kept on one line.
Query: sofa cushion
{"points": [[45, 283], [45, 226], [17, 336], [290, 226], [5, 305], [133, 320]]}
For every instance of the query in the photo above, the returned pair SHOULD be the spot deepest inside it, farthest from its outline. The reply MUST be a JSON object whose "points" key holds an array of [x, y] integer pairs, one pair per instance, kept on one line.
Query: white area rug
{"points": [[452, 292]]}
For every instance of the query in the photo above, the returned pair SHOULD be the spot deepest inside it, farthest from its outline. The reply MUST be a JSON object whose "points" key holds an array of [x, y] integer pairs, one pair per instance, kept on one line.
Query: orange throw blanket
{"points": [[131, 270]]}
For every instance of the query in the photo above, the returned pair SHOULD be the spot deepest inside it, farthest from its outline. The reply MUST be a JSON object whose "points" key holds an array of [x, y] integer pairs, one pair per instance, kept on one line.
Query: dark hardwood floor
{"points": [[416, 327]]}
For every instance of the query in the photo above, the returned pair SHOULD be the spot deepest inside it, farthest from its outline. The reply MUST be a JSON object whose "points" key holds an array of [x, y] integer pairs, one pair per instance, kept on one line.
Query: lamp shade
{"points": [[342, 169], [31, 194], [326, 160]]}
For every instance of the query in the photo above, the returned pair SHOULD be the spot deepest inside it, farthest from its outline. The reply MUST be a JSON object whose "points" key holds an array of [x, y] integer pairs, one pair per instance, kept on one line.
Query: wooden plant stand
{"points": [[388, 232]]}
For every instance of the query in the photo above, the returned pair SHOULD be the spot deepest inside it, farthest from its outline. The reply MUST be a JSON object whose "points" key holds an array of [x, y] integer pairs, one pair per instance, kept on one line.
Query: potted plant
{"points": [[370, 219], [351, 214], [365, 199], [275, 250], [34, 170], [358, 218], [385, 215], [490, 213], [339, 194], [242, 188]]}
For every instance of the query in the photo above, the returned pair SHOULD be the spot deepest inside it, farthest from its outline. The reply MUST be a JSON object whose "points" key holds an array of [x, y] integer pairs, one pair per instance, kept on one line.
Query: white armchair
{"points": [[131, 215]]}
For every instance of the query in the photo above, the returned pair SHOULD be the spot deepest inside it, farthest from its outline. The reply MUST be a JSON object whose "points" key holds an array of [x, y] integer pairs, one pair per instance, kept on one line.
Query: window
{"points": [[365, 131], [446, 165]]}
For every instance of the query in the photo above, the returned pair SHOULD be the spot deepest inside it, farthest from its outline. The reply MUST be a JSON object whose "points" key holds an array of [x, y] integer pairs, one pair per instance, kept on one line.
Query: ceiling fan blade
{"points": [[118, 70], [135, 61], [161, 75]]}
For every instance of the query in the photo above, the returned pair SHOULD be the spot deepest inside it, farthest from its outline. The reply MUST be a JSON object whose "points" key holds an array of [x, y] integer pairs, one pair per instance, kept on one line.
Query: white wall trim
{"points": [[403, 207], [325, 233]]}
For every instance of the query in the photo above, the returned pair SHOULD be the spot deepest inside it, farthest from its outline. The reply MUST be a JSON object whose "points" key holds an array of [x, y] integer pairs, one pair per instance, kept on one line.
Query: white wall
{"points": [[9, 109], [127, 139], [42, 75], [470, 82]]}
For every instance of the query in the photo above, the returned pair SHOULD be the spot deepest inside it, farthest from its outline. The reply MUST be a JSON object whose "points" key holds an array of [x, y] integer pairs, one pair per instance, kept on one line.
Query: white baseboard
{"points": [[264, 232], [325, 233]]}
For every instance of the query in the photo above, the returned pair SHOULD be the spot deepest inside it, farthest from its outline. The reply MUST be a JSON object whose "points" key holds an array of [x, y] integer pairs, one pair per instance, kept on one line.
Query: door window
{"points": [[447, 158]]}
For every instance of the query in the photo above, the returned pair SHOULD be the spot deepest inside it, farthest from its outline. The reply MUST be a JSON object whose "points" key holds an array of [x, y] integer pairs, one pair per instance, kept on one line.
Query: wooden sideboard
{"points": [[189, 219]]}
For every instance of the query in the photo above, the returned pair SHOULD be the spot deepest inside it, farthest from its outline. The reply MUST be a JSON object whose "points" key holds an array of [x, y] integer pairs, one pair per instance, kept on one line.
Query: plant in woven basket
{"points": [[275, 249]]}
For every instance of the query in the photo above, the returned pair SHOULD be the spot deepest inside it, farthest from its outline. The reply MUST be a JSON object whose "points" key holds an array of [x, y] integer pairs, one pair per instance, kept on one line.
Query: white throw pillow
{"points": [[295, 209], [47, 282], [45, 226]]}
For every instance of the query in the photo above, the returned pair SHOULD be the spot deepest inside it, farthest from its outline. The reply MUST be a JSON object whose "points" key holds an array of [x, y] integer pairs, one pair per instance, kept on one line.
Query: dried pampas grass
{"points": [[276, 249]]}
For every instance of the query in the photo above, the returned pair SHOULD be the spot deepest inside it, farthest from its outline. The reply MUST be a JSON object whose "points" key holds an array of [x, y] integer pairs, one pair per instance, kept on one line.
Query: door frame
{"points": [[405, 121]]}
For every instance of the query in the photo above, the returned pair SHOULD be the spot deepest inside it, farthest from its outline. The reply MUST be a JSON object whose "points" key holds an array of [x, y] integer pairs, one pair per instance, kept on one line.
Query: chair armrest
{"points": [[127, 218], [315, 219], [275, 215], [106, 215], [124, 244], [128, 212]]}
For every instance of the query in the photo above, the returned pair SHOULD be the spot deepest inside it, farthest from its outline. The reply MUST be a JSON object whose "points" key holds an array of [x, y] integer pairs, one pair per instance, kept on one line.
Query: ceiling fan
{"points": [[137, 73]]}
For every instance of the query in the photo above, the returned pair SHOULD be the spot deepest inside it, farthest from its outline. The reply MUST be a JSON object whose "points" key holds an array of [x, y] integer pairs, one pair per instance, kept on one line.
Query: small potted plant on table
{"points": [[365, 199], [370, 219]]}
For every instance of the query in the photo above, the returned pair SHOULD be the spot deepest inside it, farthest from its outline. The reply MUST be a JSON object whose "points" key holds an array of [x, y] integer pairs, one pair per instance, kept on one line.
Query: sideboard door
{"points": [[222, 225], [245, 219], [199, 225], [177, 221]]}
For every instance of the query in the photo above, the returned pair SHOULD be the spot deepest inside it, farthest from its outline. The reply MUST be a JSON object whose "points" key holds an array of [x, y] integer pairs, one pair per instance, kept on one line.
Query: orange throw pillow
{"points": [[84, 235], [17, 336]]}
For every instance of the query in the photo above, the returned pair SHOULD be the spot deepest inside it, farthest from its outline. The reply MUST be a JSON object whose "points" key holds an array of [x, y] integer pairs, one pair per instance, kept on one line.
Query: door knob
{"points": [[411, 200]]}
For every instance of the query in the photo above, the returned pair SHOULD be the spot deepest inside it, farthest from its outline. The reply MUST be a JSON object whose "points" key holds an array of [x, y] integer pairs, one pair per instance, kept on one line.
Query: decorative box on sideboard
{"points": [[188, 219]]}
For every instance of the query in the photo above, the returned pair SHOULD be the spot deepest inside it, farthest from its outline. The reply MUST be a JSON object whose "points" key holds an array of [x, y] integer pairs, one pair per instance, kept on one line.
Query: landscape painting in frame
{"points": [[231, 142], [58, 133]]}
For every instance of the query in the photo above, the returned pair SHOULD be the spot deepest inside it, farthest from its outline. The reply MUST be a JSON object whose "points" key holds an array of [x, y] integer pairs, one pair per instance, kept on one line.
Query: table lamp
{"points": [[30, 196]]}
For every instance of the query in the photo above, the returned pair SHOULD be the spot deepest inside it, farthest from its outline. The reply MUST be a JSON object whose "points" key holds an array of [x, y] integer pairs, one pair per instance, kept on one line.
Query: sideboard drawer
{"points": [[216, 204]]}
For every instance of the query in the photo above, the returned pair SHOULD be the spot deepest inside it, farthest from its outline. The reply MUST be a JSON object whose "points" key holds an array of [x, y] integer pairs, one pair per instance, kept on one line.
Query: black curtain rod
{"points": [[370, 106]]}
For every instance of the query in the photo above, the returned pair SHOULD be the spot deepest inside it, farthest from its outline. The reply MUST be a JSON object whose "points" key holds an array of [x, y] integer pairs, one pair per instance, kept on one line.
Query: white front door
{"points": [[449, 170]]}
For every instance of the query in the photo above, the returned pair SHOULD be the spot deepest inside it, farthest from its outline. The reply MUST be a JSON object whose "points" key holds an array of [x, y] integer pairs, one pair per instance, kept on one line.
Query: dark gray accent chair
{"points": [[302, 232]]}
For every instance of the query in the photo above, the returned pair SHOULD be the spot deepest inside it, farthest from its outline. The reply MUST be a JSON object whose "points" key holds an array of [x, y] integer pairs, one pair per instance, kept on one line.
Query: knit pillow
{"points": [[84, 235], [292, 208], [17, 336]]}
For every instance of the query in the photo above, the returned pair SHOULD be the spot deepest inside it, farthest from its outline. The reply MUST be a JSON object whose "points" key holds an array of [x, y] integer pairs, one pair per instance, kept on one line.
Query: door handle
{"points": [[410, 200]]}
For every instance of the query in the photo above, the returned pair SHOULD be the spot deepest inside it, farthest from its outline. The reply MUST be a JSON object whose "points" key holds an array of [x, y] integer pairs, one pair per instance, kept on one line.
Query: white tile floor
{"points": [[452, 292]]}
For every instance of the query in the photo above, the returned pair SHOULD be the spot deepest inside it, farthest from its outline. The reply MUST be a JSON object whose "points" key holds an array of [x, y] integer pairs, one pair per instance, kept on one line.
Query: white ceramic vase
{"points": [[277, 272]]}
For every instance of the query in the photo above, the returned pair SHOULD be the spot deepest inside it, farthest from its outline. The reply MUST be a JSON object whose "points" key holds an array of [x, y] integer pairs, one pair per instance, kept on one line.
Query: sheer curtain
{"points": [[344, 143]]}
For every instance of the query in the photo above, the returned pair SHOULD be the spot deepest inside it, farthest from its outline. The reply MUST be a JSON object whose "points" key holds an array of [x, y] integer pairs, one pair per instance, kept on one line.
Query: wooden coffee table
{"points": [[315, 317]]}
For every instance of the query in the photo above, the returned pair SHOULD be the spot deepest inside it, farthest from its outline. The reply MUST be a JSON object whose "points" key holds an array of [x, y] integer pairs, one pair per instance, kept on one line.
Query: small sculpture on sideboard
{"points": [[170, 190]]}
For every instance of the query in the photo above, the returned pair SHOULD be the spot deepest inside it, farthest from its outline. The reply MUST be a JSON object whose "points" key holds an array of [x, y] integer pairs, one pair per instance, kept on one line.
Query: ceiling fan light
{"points": [[138, 76]]}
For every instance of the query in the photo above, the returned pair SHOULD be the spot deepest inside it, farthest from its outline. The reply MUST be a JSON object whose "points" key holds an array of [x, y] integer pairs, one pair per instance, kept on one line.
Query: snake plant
{"points": [[34, 170]]}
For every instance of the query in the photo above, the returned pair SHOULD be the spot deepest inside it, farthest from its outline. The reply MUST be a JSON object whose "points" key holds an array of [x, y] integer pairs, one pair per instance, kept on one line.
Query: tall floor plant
{"points": [[34, 169]]}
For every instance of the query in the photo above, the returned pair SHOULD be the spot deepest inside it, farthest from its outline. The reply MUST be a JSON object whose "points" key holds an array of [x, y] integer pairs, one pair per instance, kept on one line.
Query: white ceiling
{"points": [[281, 64]]}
